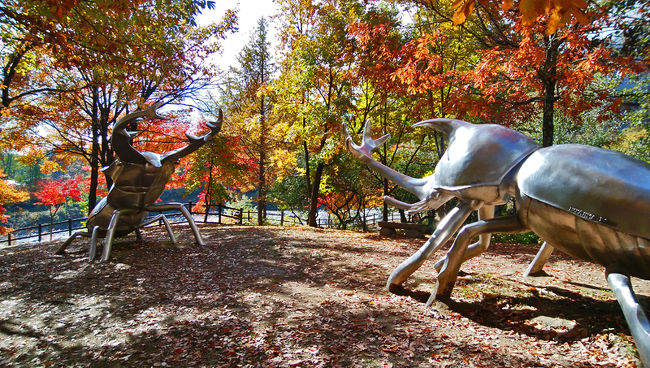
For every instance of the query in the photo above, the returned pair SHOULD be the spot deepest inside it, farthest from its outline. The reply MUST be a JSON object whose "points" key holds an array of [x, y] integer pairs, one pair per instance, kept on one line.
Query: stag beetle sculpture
{"points": [[139, 179], [591, 203]]}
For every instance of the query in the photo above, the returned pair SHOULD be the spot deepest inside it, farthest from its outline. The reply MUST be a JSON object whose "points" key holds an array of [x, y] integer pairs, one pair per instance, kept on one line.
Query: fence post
{"points": [[281, 217], [219, 210], [241, 216], [69, 226], [249, 215], [9, 239], [40, 228], [189, 205], [207, 209]]}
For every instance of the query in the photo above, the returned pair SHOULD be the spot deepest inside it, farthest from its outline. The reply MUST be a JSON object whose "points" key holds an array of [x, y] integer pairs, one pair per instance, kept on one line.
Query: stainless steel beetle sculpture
{"points": [[588, 202], [139, 179]]}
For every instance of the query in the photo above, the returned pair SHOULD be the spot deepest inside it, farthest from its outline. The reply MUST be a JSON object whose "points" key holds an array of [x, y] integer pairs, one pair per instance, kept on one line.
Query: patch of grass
{"points": [[521, 238]]}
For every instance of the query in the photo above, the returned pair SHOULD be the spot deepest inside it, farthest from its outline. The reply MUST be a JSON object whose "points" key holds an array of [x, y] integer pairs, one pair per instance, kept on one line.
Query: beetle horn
{"points": [[121, 138], [447, 126], [364, 151]]}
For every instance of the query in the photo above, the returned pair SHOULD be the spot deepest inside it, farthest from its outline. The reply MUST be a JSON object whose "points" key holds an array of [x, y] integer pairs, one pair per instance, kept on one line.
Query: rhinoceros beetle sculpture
{"points": [[591, 203], [139, 179]]}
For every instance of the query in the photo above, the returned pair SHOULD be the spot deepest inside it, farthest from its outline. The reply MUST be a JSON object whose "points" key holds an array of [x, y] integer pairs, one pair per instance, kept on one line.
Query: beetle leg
{"points": [[108, 242], [456, 254], [446, 228], [186, 214], [633, 312], [93, 244], [69, 241], [484, 213], [168, 228], [540, 259]]}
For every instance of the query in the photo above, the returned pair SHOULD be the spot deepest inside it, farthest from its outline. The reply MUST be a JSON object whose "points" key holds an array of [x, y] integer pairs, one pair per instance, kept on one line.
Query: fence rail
{"points": [[213, 213], [219, 211]]}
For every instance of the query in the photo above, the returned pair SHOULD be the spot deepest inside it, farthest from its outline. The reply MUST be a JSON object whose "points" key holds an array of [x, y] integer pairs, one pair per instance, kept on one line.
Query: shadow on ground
{"points": [[268, 296]]}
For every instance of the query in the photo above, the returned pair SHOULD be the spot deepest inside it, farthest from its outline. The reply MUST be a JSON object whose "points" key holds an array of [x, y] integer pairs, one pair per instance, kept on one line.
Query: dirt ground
{"points": [[301, 297]]}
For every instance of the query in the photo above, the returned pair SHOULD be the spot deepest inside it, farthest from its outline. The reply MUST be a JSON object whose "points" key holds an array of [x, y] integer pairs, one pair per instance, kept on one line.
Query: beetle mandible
{"points": [[588, 202], [139, 179]]}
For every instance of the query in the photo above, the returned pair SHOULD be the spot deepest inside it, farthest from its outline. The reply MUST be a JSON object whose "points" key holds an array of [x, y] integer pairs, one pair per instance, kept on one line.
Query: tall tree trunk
{"points": [[307, 173], [384, 158], [94, 158], [313, 201], [549, 78], [547, 112], [261, 203]]}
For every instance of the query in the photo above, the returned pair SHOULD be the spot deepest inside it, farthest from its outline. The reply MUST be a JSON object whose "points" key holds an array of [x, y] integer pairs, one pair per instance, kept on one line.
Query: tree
{"points": [[248, 107], [523, 72], [315, 83], [220, 169], [56, 193], [400, 86], [101, 61], [559, 12], [8, 195]]}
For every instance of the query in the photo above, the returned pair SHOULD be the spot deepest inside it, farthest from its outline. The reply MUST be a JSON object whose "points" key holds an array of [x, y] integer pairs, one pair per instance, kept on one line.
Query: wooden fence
{"points": [[213, 213]]}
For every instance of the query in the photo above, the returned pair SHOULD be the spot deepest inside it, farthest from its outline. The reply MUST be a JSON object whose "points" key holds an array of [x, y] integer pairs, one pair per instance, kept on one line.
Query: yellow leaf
{"points": [[463, 11]]}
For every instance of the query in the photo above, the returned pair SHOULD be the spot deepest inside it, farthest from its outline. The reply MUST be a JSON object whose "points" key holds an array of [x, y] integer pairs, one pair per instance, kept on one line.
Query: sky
{"points": [[249, 12]]}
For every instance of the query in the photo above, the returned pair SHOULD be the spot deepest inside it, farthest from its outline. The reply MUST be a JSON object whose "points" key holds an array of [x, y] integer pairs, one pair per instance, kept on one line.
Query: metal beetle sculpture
{"points": [[139, 179], [588, 202]]}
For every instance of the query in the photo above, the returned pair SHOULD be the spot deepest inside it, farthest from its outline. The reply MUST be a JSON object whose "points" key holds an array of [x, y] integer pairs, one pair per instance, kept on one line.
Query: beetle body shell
{"points": [[588, 240], [135, 187], [591, 203]]}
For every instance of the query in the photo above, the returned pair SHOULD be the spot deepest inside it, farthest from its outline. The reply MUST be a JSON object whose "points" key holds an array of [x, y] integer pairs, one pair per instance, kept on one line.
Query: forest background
{"points": [[561, 71]]}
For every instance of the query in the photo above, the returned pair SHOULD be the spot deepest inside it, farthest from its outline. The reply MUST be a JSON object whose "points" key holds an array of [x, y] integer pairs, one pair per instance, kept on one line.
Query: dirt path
{"points": [[298, 297]]}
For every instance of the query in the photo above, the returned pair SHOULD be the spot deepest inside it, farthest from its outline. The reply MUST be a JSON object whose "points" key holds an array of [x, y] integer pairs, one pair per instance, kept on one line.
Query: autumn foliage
{"points": [[557, 12], [8, 195], [56, 193], [532, 65]]}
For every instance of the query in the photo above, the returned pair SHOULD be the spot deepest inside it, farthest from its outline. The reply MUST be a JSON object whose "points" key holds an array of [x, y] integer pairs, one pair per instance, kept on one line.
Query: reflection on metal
{"points": [[588, 202], [139, 179]]}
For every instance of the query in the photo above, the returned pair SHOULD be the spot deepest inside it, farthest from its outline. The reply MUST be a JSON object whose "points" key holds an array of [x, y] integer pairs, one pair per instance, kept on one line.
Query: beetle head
{"points": [[478, 154]]}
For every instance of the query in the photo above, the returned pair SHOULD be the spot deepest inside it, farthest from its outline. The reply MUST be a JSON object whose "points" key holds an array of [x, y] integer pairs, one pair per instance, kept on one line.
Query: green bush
{"points": [[521, 238]]}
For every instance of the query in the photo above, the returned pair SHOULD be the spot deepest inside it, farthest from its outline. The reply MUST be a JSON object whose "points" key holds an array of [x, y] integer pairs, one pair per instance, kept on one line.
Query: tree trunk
{"points": [[307, 174], [94, 158], [385, 208], [313, 201], [384, 158], [261, 200], [548, 76], [547, 113], [261, 203]]}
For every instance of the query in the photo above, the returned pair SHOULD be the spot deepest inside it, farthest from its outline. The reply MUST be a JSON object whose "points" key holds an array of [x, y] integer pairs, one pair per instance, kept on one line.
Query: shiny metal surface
{"points": [[633, 312], [591, 203], [588, 240], [540, 259], [598, 185], [445, 230], [139, 178], [478, 155]]}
